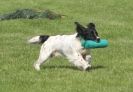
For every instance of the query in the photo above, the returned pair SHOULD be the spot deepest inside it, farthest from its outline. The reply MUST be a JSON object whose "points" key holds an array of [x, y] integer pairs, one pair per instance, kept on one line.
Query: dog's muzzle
{"points": [[98, 39]]}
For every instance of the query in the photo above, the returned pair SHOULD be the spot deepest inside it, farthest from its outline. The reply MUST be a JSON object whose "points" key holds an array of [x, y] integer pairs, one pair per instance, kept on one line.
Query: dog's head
{"points": [[87, 33]]}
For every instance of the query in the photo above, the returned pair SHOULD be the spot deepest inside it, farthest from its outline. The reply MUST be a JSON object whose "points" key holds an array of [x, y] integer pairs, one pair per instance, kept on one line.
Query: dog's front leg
{"points": [[86, 55], [87, 58], [76, 59]]}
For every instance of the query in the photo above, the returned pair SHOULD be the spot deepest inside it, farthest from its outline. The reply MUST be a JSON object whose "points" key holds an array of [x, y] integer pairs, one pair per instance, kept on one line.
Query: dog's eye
{"points": [[92, 32]]}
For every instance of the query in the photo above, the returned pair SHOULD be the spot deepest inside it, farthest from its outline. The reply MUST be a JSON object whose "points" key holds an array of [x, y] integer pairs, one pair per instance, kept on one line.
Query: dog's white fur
{"points": [[67, 45]]}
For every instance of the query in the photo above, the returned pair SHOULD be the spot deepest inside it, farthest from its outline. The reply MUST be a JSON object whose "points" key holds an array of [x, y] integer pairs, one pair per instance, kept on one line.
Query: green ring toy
{"points": [[94, 44]]}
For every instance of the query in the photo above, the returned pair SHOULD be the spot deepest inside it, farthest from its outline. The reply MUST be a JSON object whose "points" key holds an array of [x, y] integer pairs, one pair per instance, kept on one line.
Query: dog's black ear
{"points": [[80, 29], [79, 25], [76, 23], [91, 25]]}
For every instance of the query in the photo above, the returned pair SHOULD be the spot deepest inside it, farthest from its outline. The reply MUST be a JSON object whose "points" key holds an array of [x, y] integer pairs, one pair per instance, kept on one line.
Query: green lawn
{"points": [[112, 67]]}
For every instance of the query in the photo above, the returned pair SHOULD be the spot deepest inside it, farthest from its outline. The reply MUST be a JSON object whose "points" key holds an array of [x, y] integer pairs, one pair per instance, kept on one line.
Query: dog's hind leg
{"points": [[44, 55]]}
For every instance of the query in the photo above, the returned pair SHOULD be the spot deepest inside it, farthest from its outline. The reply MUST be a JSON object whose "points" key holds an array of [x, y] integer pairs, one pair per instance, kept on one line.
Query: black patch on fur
{"points": [[80, 29], [43, 38], [92, 32]]}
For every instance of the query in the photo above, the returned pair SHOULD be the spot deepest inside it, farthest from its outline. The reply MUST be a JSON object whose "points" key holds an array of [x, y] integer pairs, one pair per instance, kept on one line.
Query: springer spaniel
{"points": [[67, 45]]}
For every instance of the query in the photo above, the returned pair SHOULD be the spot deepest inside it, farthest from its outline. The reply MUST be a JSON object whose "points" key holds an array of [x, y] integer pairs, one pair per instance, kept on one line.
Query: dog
{"points": [[67, 45]]}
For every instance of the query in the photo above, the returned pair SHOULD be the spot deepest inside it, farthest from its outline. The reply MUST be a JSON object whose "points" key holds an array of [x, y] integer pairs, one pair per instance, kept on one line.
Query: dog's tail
{"points": [[38, 39]]}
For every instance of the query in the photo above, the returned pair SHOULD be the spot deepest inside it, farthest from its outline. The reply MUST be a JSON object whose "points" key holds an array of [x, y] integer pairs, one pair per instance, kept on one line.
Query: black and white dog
{"points": [[67, 45]]}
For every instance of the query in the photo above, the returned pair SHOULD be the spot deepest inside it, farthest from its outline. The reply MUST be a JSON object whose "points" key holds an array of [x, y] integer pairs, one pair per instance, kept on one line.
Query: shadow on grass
{"points": [[61, 66], [96, 67], [72, 67]]}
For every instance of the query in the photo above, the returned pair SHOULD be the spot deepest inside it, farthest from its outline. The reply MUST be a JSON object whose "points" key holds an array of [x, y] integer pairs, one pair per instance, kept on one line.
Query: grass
{"points": [[112, 69]]}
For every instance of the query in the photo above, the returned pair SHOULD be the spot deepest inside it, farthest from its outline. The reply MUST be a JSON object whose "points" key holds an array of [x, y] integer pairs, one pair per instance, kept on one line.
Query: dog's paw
{"points": [[37, 67], [87, 67]]}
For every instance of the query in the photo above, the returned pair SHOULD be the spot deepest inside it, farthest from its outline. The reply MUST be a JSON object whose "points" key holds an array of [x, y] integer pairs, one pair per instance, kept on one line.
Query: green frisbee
{"points": [[94, 44]]}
